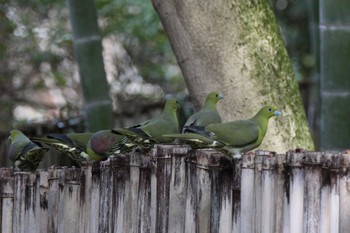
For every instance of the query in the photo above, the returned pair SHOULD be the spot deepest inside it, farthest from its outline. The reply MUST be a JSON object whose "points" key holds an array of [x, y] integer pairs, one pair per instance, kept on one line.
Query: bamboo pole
{"points": [[268, 204], [247, 195], [7, 199], [177, 193], [257, 204], [221, 194], [325, 193], [312, 195], [191, 197], [144, 197], [106, 194], [163, 176], [334, 194], [41, 216], [296, 192], [236, 196], [55, 197], [71, 192], [95, 198], [344, 193], [19, 208], [279, 192]]}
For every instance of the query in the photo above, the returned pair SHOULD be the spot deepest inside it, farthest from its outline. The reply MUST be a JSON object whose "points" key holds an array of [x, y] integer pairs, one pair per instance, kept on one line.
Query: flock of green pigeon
{"points": [[203, 129]]}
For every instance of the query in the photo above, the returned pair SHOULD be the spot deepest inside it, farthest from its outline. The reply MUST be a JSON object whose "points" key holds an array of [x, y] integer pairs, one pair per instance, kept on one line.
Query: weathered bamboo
{"points": [[173, 188], [163, 176], [312, 191], [325, 194], [236, 196], [334, 194], [71, 194], [268, 207], [106, 189], [296, 192], [280, 194], [247, 195], [221, 207], [344, 194], [41, 214], [7, 199], [177, 194], [257, 191]]}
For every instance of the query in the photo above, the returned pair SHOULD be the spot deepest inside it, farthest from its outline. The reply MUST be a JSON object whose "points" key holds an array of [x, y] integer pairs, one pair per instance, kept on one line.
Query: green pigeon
{"points": [[25, 154], [101, 144], [72, 144], [207, 115], [150, 132], [235, 137]]}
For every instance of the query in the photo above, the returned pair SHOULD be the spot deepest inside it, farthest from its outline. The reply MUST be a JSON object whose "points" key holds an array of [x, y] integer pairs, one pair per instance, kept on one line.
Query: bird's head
{"points": [[214, 97], [171, 105], [269, 111], [14, 133]]}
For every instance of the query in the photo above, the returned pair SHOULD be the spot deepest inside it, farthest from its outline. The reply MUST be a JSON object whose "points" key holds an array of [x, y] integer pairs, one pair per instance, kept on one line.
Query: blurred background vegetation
{"points": [[39, 81]]}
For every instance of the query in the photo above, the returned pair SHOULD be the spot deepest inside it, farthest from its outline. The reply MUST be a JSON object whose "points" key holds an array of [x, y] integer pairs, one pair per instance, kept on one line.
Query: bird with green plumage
{"points": [[71, 144], [234, 137], [101, 145], [208, 114], [150, 132], [25, 154]]}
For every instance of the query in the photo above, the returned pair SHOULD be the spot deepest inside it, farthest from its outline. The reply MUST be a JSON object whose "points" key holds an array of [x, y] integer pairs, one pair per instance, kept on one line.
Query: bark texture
{"points": [[235, 47]]}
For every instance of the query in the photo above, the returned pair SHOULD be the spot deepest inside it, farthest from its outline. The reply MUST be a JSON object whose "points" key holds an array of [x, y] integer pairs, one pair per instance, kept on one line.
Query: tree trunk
{"points": [[235, 47], [88, 50], [334, 74]]}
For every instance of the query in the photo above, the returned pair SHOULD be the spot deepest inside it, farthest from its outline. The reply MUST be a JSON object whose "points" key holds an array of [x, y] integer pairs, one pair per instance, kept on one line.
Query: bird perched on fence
{"points": [[150, 132], [25, 154], [101, 144], [207, 115], [235, 137], [72, 144]]}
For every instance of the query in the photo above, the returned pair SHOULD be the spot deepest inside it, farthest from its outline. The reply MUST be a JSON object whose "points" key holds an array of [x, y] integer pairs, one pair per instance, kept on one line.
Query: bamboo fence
{"points": [[175, 189]]}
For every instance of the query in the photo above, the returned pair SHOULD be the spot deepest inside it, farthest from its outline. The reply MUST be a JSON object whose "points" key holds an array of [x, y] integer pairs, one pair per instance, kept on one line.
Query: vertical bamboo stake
{"points": [[268, 201], [30, 201], [120, 194], [72, 200], [257, 205], [286, 178], [7, 199], [236, 196], [312, 195], [279, 192], [144, 197], [134, 173], [334, 194], [344, 193], [325, 194], [19, 222], [95, 198], [221, 198], [247, 195], [55, 198], [41, 219], [203, 164], [296, 192], [191, 197], [106, 192], [177, 193], [153, 209], [163, 174]]}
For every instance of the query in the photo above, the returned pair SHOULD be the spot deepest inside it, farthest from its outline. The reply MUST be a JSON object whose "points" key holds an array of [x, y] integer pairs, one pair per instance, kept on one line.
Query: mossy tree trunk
{"points": [[88, 50], [235, 47]]}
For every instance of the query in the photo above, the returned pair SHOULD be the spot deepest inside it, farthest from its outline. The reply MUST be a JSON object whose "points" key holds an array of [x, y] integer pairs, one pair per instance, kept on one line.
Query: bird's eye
{"points": [[270, 109]]}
